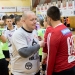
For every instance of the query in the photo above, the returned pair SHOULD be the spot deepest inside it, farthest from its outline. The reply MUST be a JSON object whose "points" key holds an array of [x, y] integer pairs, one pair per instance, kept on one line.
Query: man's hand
{"points": [[41, 43]]}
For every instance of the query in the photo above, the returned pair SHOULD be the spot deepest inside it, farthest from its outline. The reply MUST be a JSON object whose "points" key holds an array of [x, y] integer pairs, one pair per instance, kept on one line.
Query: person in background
{"points": [[13, 19], [25, 44], [44, 51], [68, 21], [18, 21], [41, 32], [8, 32], [5, 48], [60, 43], [64, 20], [4, 18], [3, 63]]}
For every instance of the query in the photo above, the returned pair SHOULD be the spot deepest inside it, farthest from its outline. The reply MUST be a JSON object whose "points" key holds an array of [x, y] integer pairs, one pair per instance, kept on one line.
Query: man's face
{"points": [[9, 22], [30, 21], [45, 23]]}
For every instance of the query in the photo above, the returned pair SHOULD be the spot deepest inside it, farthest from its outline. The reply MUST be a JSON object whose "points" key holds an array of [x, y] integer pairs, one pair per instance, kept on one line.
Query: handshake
{"points": [[41, 41]]}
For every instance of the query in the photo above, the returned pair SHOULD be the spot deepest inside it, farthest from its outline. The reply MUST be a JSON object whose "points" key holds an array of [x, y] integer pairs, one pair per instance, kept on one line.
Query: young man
{"points": [[25, 45], [41, 32], [61, 53], [8, 32], [18, 21], [45, 50]]}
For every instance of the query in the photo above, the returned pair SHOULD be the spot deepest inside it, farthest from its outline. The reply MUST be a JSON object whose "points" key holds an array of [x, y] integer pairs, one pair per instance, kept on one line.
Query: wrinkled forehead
{"points": [[31, 15]]}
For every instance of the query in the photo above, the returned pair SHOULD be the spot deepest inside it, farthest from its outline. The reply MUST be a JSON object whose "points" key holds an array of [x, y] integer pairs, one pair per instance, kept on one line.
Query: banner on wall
{"points": [[45, 7], [64, 4], [7, 9], [67, 12], [21, 9], [59, 4], [53, 3], [67, 7], [49, 5], [70, 4]]}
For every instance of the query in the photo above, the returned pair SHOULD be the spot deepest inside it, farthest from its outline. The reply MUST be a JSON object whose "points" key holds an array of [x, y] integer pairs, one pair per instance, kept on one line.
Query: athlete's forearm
{"points": [[28, 51], [3, 38]]}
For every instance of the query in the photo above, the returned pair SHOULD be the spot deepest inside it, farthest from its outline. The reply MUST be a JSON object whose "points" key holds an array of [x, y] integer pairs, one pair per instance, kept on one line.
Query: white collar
{"points": [[58, 25]]}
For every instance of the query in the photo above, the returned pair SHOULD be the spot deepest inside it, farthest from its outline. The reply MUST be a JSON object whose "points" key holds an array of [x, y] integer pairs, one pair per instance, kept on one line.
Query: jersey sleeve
{"points": [[45, 50], [53, 44], [19, 41]]}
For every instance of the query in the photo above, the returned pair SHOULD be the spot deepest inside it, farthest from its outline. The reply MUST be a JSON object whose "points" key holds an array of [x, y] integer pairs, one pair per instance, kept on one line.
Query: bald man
{"points": [[25, 43]]}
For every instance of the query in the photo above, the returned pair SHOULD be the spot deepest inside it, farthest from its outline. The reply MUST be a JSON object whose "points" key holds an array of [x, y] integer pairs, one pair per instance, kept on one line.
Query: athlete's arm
{"points": [[3, 39], [27, 51]]}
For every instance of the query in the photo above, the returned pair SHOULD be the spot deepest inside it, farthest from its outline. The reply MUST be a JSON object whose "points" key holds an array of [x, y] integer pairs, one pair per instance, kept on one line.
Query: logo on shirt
{"points": [[28, 65], [65, 31], [34, 42], [9, 35]]}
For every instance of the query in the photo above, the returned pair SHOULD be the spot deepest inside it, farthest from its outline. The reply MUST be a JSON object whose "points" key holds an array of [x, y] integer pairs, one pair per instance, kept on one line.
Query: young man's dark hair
{"points": [[17, 18], [12, 16], [41, 22], [45, 19], [4, 17], [8, 17], [54, 13]]}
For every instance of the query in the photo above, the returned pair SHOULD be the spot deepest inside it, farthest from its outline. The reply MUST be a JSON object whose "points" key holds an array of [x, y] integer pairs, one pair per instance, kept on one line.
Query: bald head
{"points": [[29, 20], [26, 14]]}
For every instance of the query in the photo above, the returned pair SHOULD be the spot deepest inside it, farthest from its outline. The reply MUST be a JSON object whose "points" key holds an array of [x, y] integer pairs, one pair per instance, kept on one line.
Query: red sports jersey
{"points": [[61, 54], [48, 29]]}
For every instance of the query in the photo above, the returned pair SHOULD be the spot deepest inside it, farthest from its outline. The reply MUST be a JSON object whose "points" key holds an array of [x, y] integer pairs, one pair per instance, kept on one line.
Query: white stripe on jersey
{"points": [[48, 46]]}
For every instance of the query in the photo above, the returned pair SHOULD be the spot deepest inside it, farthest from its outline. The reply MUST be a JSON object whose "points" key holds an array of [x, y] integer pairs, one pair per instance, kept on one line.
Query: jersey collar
{"points": [[26, 30]]}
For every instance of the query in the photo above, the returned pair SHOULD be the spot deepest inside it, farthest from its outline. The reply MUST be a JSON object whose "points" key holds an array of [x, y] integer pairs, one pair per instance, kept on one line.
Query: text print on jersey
{"points": [[71, 51]]}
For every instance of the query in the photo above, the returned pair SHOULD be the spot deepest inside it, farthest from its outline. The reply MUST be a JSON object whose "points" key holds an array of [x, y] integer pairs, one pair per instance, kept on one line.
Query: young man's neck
{"points": [[56, 23], [11, 27], [18, 26]]}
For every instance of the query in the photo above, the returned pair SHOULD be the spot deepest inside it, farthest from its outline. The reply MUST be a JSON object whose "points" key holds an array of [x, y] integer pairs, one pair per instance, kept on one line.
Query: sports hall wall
{"points": [[67, 9], [15, 3], [72, 21]]}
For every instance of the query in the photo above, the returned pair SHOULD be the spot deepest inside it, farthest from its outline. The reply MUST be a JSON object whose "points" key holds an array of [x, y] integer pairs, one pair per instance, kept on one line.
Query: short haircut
{"points": [[4, 17], [54, 13], [17, 18], [41, 22], [8, 17], [12, 16], [45, 19], [25, 13]]}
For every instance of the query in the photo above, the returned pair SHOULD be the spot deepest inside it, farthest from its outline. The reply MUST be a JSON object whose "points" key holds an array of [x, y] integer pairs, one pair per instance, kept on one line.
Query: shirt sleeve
{"points": [[53, 44], [45, 50]]}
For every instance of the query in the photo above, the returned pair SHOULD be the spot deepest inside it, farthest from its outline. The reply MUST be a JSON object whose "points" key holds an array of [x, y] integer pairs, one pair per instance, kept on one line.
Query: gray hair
{"points": [[25, 14]]}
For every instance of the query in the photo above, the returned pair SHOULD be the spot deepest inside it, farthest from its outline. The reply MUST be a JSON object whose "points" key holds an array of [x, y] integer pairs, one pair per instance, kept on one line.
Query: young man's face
{"points": [[45, 23], [9, 22], [30, 21]]}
